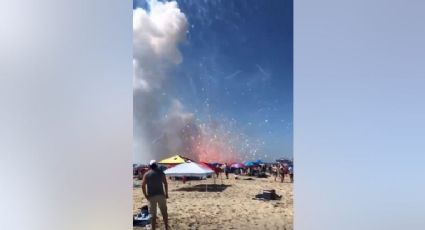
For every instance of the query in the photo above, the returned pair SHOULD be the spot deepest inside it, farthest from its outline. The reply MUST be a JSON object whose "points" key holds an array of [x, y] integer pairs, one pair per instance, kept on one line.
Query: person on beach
{"points": [[291, 173], [282, 173], [155, 181], [226, 170], [275, 169], [217, 171]]}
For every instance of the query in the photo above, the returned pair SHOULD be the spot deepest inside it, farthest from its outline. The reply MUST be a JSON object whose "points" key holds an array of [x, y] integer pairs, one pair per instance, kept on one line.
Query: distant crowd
{"points": [[276, 170], [281, 170]]}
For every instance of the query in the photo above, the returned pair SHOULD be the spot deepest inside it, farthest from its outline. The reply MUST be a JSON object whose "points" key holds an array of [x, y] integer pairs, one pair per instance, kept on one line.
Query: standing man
{"points": [[155, 181], [282, 173], [291, 173], [226, 170], [275, 171]]}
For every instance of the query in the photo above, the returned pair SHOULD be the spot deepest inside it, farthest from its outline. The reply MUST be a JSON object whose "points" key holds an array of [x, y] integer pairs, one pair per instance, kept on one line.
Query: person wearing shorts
{"points": [[282, 173], [155, 181], [275, 172], [291, 173]]}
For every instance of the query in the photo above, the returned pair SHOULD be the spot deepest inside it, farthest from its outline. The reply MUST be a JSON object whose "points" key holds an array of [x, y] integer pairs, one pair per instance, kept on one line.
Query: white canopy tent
{"points": [[189, 169]]}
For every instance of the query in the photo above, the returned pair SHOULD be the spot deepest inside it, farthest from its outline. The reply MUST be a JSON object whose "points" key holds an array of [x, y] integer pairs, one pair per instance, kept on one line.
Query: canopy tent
{"points": [[177, 159], [210, 166], [216, 169], [189, 169], [285, 161], [237, 165]]}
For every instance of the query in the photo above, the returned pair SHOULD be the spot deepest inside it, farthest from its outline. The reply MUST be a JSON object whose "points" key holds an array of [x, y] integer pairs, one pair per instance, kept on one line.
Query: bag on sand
{"points": [[267, 195], [143, 218]]}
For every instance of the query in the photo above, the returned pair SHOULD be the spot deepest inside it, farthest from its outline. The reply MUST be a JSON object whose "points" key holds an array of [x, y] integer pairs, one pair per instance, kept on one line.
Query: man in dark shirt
{"points": [[155, 181], [226, 170]]}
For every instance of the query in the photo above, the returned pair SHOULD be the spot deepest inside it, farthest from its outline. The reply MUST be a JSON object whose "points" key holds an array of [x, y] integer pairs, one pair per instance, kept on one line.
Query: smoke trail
{"points": [[157, 33]]}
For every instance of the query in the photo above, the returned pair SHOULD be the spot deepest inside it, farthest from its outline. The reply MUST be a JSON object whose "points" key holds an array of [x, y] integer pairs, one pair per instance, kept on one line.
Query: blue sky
{"points": [[237, 68]]}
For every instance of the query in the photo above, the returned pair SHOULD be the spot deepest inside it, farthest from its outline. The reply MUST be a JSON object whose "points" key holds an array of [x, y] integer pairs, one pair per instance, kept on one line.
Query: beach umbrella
{"points": [[237, 165], [250, 164], [215, 164]]}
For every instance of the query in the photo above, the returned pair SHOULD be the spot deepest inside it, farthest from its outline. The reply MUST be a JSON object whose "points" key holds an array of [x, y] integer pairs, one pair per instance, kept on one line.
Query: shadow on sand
{"points": [[204, 188]]}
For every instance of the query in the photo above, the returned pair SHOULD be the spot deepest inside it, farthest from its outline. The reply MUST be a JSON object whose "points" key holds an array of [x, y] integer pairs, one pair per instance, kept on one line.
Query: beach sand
{"points": [[224, 207]]}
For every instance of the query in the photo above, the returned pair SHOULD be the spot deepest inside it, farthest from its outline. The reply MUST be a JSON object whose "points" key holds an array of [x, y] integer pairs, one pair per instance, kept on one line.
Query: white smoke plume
{"points": [[157, 33], [156, 36]]}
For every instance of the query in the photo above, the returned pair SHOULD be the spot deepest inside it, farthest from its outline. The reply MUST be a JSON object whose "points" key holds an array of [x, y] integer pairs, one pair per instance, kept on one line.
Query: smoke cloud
{"points": [[156, 36], [162, 127], [157, 33]]}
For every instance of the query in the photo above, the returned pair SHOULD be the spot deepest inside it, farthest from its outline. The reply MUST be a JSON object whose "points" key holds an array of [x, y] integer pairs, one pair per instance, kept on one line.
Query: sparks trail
{"points": [[220, 142]]}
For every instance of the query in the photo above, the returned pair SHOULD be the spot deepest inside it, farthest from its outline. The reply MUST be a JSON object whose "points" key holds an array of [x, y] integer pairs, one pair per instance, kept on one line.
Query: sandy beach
{"points": [[227, 206]]}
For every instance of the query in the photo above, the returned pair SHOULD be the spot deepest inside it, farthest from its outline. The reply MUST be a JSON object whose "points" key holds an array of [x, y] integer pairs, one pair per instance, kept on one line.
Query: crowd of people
{"points": [[280, 170], [275, 170]]}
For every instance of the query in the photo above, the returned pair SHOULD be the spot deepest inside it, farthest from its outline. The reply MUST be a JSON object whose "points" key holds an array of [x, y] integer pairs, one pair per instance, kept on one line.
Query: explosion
{"points": [[157, 33]]}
